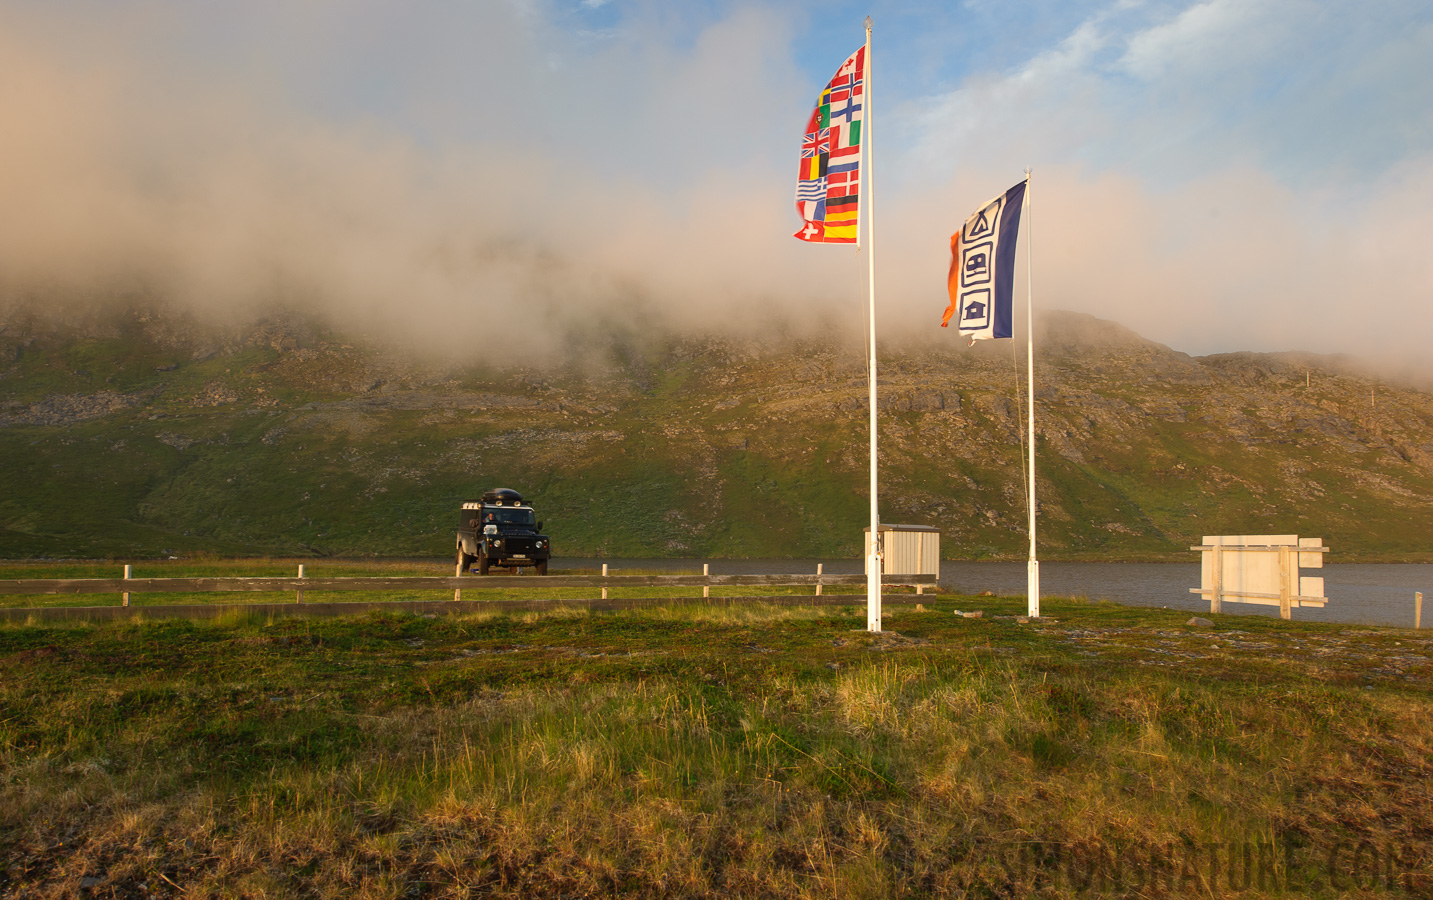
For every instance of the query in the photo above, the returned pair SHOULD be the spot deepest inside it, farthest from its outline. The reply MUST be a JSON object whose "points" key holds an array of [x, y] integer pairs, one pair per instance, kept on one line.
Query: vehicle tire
{"points": [[482, 564], [541, 567]]}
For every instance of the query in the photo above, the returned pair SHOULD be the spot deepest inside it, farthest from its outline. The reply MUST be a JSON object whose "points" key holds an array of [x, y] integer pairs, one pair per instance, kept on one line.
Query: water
{"points": [[1359, 593]]}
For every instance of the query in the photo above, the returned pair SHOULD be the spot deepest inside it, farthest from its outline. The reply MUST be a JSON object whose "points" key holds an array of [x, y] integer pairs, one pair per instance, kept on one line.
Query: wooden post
{"points": [[707, 571], [1417, 610], [604, 575], [819, 567], [301, 590], [1285, 576], [1216, 599], [124, 598], [458, 573]]}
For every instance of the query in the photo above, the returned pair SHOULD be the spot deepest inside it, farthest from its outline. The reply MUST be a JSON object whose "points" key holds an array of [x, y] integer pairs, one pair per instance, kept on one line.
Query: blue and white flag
{"points": [[982, 268]]}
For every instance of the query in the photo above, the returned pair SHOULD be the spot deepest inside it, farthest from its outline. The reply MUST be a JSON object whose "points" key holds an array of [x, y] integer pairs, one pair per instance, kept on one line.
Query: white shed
{"points": [[910, 549]]}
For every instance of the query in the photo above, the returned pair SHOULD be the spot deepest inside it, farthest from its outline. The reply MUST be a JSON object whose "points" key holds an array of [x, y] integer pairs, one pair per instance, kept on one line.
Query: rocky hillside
{"points": [[142, 433]]}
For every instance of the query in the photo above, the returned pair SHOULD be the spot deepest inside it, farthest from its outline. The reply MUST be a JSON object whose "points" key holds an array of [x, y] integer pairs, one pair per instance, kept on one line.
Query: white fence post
{"points": [[1216, 599], [1287, 573], [706, 572], [301, 590], [604, 575], [124, 598], [458, 573], [819, 568], [1417, 610]]}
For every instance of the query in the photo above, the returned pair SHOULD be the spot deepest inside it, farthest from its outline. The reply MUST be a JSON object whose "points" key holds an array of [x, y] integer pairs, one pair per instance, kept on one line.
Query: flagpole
{"points": [[873, 555], [1032, 575]]}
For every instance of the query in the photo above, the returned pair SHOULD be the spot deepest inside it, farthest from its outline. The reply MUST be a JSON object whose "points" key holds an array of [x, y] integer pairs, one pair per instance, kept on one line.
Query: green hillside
{"points": [[143, 434]]}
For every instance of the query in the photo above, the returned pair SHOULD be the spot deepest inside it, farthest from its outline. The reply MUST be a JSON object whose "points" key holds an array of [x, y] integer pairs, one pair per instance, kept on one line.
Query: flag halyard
{"points": [[828, 186]]}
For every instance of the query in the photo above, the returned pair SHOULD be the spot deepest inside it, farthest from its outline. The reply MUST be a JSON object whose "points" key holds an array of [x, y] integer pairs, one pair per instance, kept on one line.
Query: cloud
{"points": [[1216, 175], [1208, 38], [1194, 176], [584, 188]]}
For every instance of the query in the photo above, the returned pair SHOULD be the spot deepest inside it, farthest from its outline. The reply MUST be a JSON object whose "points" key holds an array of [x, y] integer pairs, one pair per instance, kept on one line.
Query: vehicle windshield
{"points": [[507, 516]]}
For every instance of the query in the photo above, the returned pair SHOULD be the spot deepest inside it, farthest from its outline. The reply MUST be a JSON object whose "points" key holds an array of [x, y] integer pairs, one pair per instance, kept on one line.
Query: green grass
{"points": [[693, 750], [681, 449]]}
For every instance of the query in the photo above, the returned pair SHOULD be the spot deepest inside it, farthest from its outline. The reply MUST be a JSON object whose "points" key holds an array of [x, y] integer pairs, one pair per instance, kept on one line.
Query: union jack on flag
{"points": [[828, 187]]}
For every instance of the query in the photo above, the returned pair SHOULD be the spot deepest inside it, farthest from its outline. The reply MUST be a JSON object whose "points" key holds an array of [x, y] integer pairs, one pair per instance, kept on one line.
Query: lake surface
{"points": [[1365, 594]]}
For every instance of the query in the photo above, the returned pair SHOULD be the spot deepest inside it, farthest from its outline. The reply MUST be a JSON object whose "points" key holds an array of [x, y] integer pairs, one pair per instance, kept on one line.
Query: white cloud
{"points": [[1225, 176], [605, 191], [1209, 37], [428, 172]]}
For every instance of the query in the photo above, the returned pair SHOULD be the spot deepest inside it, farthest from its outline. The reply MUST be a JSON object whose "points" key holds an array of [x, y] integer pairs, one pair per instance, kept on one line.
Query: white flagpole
{"points": [[1032, 575], [873, 556]]}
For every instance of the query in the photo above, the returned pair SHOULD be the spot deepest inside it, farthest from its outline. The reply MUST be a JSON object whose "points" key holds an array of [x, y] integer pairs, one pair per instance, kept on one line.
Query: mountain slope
{"points": [[143, 433]]}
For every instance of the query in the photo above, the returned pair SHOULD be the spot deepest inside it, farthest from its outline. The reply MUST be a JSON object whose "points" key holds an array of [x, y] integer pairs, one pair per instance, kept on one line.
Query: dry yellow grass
{"points": [[714, 752]]}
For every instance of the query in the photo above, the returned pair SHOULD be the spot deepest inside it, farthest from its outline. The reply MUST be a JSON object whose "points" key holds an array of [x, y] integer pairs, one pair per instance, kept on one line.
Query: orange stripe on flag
{"points": [[952, 280]]}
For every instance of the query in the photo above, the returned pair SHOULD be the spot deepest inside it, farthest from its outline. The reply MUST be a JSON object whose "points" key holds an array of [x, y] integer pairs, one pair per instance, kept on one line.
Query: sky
{"points": [[1219, 175]]}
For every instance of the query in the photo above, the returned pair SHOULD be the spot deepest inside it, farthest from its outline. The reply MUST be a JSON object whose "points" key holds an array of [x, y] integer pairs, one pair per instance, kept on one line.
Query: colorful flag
{"points": [[828, 188], [982, 268]]}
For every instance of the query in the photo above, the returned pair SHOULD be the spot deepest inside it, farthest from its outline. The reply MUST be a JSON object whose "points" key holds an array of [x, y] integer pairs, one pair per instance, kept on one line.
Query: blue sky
{"points": [[1217, 174]]}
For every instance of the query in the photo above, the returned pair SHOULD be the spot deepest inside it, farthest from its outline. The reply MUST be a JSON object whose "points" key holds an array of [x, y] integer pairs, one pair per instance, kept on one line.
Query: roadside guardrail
{"points": [[126, 588]]}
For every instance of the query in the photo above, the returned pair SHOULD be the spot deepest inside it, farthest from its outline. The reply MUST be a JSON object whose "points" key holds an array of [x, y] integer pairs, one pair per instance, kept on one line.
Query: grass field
{"points": [[697, 751], [129, 440]]}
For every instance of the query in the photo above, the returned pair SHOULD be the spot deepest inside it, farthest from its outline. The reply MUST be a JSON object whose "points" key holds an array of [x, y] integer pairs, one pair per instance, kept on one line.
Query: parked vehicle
{"points": [[500, 531]]}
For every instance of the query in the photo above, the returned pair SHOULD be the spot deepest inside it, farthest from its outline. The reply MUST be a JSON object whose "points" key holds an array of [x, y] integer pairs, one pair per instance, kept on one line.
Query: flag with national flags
{"points": [[982, 268], [828, 189]]}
